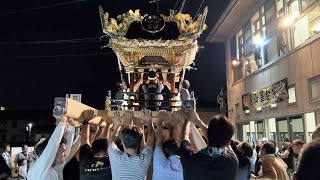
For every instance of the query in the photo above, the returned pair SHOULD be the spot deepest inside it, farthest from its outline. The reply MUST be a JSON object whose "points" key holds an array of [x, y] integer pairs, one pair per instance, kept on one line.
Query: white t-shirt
{"points": [[124, 167], [23, 172]]}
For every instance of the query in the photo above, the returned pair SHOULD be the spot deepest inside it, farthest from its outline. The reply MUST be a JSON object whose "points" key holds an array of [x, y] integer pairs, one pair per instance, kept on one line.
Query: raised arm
{"points": [[117, 125], [185, 131], [159, 134], [138, 83], [194, 117], [151, 134], [41, 167], [87, 116], [69, 135], [197, 138]]}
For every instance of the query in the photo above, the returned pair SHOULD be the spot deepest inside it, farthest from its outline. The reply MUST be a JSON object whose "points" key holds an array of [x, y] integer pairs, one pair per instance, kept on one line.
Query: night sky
{"points": [[33, 74]]}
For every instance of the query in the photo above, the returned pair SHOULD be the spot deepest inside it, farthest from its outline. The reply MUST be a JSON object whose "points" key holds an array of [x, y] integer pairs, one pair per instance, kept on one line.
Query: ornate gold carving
{"points": [[178, 53]]}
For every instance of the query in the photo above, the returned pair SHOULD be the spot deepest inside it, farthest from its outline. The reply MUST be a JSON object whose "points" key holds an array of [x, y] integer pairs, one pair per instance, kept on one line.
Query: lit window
{"points": [[307, 26], [314, 88], [271, 50], [259, 109], [306, 3], [247, 111], [292, 95]]}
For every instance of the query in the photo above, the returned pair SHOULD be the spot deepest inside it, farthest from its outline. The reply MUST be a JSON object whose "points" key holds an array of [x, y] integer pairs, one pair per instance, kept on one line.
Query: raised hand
{"points": [[163, 116], [147, 116], [128, 117], [193, 116], [179, 117], [116, 119], [70, 121], [88, 115]]}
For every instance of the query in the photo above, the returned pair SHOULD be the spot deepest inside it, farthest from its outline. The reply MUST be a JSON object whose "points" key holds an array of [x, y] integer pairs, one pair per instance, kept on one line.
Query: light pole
{"points": [[29, 127]]}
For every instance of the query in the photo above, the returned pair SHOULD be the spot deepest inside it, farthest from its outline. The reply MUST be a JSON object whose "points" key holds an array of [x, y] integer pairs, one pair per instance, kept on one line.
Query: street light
{"points": [[29, 127]]}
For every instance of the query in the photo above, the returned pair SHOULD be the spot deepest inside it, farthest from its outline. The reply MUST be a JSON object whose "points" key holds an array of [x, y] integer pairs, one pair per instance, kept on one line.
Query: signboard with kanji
{"points": [[274, 93]]}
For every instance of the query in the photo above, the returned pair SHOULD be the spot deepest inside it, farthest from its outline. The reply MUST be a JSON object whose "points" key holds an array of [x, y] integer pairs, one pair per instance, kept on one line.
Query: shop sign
{"points": [[274, 93]]}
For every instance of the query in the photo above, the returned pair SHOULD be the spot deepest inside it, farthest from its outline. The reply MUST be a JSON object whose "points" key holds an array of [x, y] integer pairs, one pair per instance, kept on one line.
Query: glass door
{"points": [[282, 130], [296, 128]]}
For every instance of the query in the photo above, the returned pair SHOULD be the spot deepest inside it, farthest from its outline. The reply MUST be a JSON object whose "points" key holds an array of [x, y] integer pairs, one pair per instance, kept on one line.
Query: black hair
{"points": [[286, 139], [44, 144], [99, 146], [246, 149], [20, 161], [131, 137], [308, 164], [22, 146], [220, 131], [5, 145], [152, 74], [171, 147], [274, 142], [269, 148]]}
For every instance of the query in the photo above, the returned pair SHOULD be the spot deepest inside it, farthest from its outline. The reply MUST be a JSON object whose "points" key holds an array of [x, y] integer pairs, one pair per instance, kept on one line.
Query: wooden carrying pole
{"points": [[73, 109]]}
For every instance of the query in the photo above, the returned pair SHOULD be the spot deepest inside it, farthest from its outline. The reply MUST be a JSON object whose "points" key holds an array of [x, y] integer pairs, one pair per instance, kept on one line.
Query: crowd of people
{"points": [[181, 147]]}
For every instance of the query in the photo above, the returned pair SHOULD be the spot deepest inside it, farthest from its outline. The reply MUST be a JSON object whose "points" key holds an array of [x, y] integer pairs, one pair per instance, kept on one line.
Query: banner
{"points": [[274, 93]]}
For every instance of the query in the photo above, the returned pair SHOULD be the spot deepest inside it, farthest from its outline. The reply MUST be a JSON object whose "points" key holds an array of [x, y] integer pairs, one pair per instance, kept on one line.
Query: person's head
{"points": [[285, 142], [297, 146], [316, 133], [185, 84], [131, 137], [24, 148], [220, 131], [152, 76], [274, 142], [264, 140], [308, 164], [258, 143], [100, 147], [267, 148], [245, 149], [61, 153], [6, 147], [22, 162], [171, 147]]}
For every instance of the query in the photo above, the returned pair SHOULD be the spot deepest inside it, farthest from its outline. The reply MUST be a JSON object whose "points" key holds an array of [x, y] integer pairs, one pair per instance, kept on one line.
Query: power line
{"points": [[79, 40], [42, 7], [61, 55]]}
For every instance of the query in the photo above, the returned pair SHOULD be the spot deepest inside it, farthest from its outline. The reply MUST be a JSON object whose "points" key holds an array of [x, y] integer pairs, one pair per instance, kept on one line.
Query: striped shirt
{"points": [[124, 167]]}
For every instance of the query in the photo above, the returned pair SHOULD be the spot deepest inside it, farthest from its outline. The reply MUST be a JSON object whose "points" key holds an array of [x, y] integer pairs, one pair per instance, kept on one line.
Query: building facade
{"points": [[267, 42]]}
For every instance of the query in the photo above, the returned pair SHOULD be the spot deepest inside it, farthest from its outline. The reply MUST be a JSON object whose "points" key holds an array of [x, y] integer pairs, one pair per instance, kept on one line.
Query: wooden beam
{"points": [[74, 109]]}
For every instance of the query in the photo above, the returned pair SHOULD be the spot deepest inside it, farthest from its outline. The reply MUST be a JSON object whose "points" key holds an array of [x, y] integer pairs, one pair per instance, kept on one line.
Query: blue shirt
{"points": [[166, 168]]}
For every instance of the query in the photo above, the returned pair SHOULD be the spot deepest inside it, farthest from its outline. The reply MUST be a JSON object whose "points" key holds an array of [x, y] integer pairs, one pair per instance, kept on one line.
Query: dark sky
{"points": [[32, 74]]}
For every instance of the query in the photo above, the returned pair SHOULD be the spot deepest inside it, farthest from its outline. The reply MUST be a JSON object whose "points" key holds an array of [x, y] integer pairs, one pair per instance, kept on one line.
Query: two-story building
{"points": [[273, 67]]}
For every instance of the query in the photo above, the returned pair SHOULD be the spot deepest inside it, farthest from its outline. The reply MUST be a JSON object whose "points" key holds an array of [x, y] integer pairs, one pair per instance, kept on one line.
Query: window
{"points": [[239, 44], [247, 111], [259, 109], [254, 62], [238, 72], [314, 88], [247, 46], [307, 26], [233, 47], [271, 50], [306, 3], [292, 95]]}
